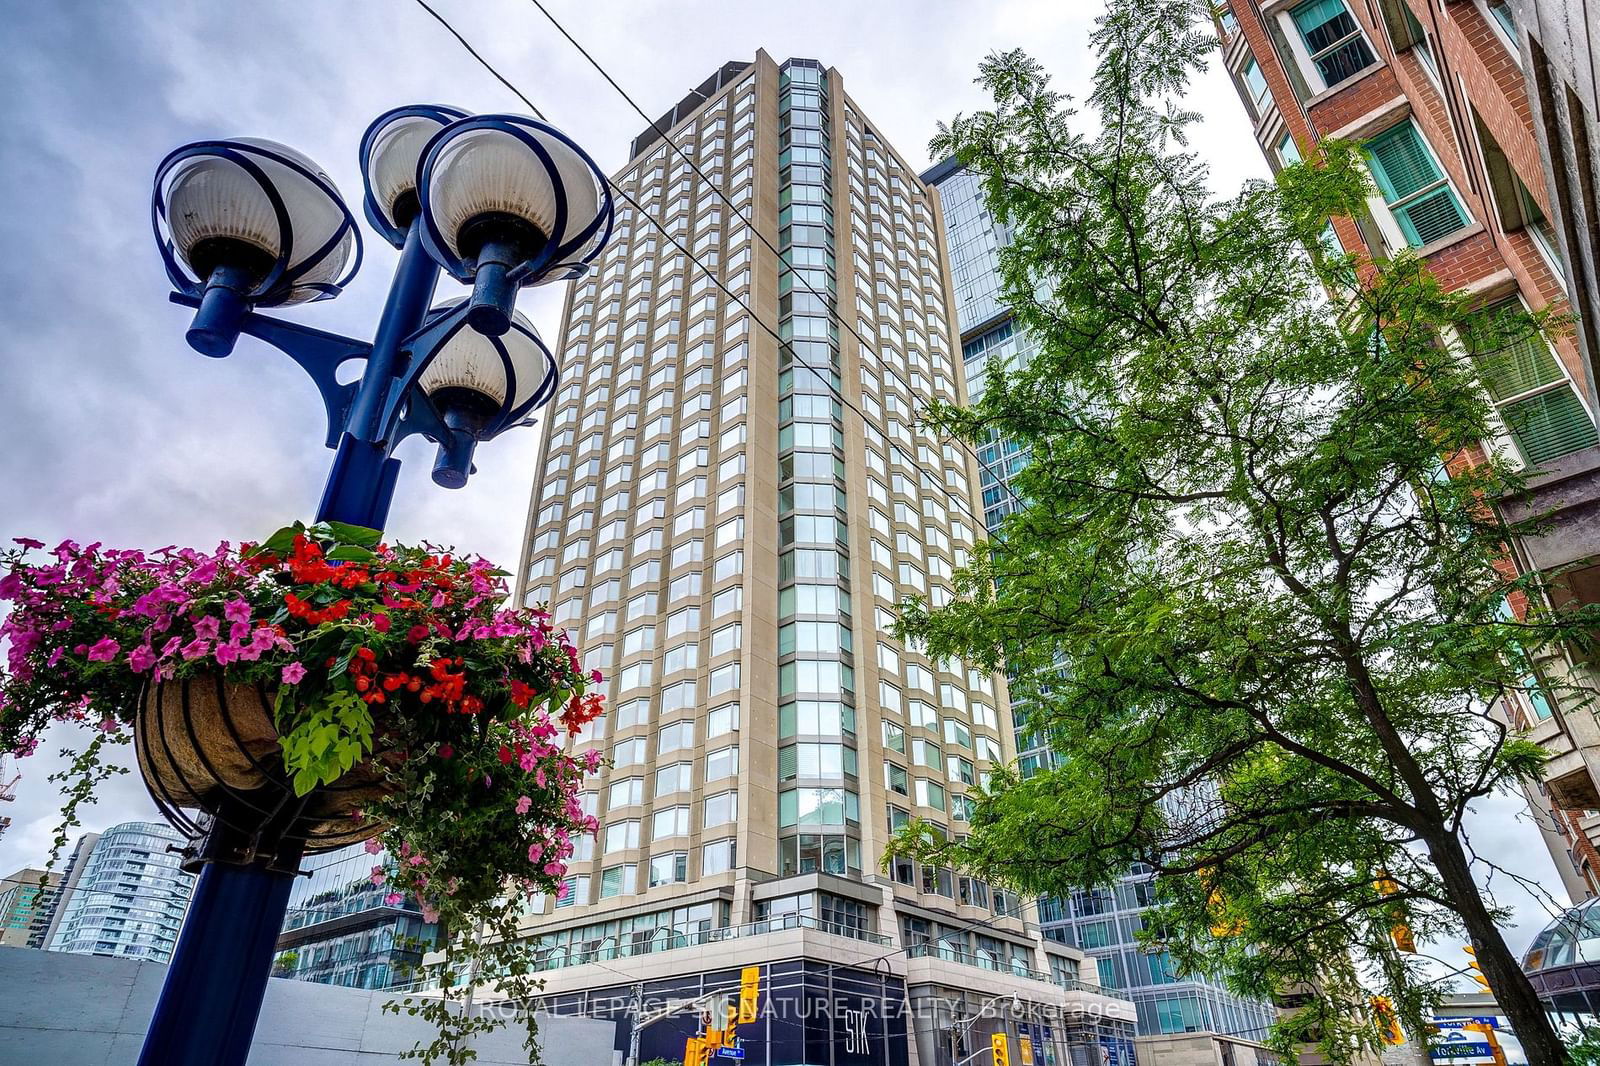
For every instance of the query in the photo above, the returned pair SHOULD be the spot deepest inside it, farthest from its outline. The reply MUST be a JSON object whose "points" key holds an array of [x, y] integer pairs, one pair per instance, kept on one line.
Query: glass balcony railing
{"points": [[986, 961], [548, 959]]}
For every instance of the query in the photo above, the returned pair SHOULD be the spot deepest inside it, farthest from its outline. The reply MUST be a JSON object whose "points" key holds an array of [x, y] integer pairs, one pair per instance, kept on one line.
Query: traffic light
{"points": [[695, 1052], [716, 1038], [1002, 1053], [1475, 971], [1222, 925], [1399, 931], [1387, 1020], [749, 993]]}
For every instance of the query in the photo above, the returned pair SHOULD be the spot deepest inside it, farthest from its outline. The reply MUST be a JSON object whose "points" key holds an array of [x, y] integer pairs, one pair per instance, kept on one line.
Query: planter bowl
{"points": [[210, 744]]}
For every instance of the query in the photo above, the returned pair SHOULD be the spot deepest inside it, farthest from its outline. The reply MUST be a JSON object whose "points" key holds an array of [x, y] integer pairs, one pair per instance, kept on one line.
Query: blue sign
{"points": [[730, 1052], [1458, 1022], [1461, 1051]]}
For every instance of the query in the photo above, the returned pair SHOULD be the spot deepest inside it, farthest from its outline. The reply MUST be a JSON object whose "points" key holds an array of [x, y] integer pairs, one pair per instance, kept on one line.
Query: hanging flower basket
{"points": [[210, 744], [312, 691]]}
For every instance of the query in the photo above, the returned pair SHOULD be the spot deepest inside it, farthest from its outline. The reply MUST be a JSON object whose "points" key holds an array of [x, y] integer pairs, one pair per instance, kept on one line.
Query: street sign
{"points": [[1461, 1051], [1459, 1022], [1457, 1045], [730, 1052]]}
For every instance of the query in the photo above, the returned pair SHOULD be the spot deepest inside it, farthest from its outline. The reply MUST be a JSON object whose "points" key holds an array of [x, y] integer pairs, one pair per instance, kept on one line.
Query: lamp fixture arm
{"points": [[318, 352]]}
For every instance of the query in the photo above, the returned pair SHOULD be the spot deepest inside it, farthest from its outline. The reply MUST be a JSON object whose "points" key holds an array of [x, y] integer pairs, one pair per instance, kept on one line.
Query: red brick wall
{"points": [[1472, 57], [1478, 72]]}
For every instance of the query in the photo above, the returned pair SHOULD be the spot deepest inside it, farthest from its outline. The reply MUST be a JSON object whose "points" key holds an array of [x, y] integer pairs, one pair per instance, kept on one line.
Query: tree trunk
{"points": [[1511, 987]]}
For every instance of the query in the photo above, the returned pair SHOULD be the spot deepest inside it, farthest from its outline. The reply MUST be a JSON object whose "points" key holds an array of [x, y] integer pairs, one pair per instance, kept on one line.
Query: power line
{"points": [[783, 267], [980, 525]]}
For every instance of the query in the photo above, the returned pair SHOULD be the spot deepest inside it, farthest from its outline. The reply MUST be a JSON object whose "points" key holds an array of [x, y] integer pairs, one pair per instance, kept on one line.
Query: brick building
{"points": [[1461, 105]]}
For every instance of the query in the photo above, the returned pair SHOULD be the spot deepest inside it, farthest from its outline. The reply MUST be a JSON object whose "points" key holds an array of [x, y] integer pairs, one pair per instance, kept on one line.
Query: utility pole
{"points": [[716, 1002], [635, 1010]]}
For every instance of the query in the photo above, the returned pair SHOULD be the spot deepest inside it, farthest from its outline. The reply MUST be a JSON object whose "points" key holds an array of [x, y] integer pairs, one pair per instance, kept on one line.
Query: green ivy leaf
{"points": [[351, 553], [281, 541], [361, 536]]}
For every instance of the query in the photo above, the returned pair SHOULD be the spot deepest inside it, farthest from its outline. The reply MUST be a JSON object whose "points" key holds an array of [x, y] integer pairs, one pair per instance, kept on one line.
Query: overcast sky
{"points": [[115, 431]]}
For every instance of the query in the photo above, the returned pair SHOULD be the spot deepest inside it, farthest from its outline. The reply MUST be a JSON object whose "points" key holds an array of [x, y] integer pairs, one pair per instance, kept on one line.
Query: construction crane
{"points": [[7, 793]]}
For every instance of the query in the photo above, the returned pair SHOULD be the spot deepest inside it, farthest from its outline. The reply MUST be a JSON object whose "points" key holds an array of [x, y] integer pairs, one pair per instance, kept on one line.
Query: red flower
{"points": [[445, 751], [521, 694], [505, 755], [581, 710], [417, 633]]}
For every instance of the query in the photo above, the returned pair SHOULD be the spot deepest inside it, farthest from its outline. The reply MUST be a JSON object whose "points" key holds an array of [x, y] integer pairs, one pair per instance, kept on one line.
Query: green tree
{"points": [[1255, 619]]}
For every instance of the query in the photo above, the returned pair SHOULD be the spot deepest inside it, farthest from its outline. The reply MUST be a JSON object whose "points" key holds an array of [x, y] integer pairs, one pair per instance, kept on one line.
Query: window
{"points": [[669, 869], [894, 737], [1415, 188], [818, 806], [720, 720], [672, 822], [573, 890], [1506, 19], [724, 678], [1531, 391], [719, 810], [1256, 83], [675, 737], [725, 640], [724, 762], [622, 835], [1288, 151], [674, 778], [1334, 40], [895, 779], [616, 880], [815, 760], [625, 792], [717, 857], [635, 676]]}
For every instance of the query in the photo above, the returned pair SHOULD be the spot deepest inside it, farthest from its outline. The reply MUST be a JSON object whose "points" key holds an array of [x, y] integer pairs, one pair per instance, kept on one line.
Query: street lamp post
{"points": [[499, 202]]}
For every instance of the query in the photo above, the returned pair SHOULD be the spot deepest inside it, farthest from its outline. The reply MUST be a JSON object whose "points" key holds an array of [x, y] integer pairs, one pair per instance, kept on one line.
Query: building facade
{"points": [[1101, 923], [66, 884], [1476, 132], [25, 900], [725, 520], [129, 899], [340, 929]]}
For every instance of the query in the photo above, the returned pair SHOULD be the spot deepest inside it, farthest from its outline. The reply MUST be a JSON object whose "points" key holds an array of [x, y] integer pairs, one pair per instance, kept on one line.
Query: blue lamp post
{"points": [[498, 201]]}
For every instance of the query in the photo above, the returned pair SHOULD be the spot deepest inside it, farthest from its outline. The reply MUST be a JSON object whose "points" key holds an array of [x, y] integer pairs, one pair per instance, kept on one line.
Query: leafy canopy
{"points": [[1257, 623]]}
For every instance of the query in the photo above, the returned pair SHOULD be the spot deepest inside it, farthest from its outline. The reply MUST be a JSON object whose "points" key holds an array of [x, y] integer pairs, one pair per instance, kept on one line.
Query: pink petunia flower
{"points": [[373, 847], [105, 649], [293, 673], [392, 899], [523, 804]]}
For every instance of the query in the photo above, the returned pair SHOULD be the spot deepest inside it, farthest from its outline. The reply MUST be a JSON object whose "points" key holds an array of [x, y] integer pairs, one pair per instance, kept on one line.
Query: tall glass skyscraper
{"points": [[125, 896], [1100, 922], [726, 521], [340, 929]]}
